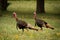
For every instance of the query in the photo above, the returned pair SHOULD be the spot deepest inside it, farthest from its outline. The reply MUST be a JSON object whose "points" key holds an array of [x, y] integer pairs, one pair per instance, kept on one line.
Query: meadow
{"points": [[24, 10]]}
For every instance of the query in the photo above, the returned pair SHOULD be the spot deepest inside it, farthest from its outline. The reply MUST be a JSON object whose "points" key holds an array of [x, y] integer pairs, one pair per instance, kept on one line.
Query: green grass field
{"points": [[24, 10]]}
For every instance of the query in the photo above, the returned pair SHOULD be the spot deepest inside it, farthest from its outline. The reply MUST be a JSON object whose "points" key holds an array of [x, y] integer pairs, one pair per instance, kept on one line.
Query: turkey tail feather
{"points": [[31, 27], [48, 25]]}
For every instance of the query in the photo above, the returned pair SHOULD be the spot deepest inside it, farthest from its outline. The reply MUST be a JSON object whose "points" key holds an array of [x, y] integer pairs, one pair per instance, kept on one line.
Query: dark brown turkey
{"points": [[40, 23], [22, 24]]}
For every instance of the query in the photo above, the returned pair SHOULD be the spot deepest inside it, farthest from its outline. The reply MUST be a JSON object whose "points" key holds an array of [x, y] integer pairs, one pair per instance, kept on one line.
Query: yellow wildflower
{"points": [[16, 36], [58, 34]]}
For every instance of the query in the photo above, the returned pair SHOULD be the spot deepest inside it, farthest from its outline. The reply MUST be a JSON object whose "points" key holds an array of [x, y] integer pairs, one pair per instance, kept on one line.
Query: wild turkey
{"points": [[40, 23], [22, 24]]}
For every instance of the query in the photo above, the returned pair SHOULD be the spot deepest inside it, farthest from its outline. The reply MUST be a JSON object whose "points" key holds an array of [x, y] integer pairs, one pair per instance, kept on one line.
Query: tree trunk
{"points": [[3, 4], [40, 6]]}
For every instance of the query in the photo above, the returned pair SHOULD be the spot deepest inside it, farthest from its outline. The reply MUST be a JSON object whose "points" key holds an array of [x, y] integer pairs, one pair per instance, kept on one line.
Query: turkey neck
{"points": [[16, 18], [35, 17]]}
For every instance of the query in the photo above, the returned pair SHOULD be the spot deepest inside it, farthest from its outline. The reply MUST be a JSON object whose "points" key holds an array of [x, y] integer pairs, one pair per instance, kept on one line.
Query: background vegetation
{"points": [[24, 10]]}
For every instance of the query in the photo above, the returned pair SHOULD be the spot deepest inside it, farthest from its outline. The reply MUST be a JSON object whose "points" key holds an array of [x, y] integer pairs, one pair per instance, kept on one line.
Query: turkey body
{"points": [[40, 23], [21, 24]]}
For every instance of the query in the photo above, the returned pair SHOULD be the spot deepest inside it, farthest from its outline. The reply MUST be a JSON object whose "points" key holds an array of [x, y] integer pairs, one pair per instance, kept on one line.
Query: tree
{"points": [[40, 6], [3, 4]]}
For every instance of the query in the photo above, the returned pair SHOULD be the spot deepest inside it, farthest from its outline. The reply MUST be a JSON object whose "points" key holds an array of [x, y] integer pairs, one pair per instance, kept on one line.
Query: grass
{"points": [[24, 10]]}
